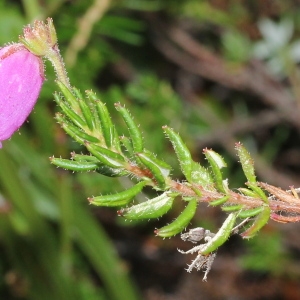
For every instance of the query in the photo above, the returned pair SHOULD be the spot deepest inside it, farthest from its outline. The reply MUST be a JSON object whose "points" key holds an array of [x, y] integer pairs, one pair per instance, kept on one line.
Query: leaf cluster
{"points": [[87, 120]]}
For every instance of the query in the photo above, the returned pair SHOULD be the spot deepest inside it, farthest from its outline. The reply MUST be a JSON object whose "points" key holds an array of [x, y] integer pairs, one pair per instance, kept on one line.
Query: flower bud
{"points": [[21, 79]]}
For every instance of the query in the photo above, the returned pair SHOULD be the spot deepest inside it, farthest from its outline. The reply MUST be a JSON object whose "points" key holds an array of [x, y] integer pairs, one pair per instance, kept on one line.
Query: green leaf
{"points": [[84, 158], [219, 201], [258, 191], [107, 157], [126, 142], [69, 111], [248, 192], [87, 114], [111, 172], [108, 129], [179, 224], [102, 169], [260, 221], [159, 169], [73, 165], [246, 162], [217, 163], [182, 152], [221, 236], [118, 199], [249, 213], [76, 133], [201, 175], [153, 208], [230, 208], [69, 96], [134, 131]]}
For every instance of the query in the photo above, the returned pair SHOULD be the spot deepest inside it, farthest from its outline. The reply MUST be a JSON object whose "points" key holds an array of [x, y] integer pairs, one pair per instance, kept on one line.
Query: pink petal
{"points": [[21, 78]]}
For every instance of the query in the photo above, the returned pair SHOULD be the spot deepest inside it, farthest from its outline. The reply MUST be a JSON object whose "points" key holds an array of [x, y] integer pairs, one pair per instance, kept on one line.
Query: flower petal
{"points": [[21, 79]]}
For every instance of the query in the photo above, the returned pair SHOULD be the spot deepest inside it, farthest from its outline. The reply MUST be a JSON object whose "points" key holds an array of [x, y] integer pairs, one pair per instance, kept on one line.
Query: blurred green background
{"points": [[216, 71]]}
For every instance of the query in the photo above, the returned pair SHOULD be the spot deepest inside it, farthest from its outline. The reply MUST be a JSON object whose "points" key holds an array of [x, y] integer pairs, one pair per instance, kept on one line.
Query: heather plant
{"points": [[87, 120]]}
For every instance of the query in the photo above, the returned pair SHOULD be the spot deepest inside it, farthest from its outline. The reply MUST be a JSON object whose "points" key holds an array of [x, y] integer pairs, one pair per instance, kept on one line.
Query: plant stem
{"points": [[54, 56]]}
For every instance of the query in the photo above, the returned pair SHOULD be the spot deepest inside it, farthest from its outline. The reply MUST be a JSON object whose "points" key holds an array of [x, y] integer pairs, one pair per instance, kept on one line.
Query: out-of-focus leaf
{"points": [[237, 47]]}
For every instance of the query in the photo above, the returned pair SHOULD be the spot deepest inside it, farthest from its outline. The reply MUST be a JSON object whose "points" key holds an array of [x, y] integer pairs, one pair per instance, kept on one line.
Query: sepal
{"points": [[39, 38]]}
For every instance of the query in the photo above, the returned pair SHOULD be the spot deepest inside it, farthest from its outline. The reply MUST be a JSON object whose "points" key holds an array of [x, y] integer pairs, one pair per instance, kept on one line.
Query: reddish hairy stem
{"points": [[279, 201]]}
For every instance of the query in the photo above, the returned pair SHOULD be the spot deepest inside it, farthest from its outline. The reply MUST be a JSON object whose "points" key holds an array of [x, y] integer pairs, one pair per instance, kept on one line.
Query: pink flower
{"points": [[21, 79]]}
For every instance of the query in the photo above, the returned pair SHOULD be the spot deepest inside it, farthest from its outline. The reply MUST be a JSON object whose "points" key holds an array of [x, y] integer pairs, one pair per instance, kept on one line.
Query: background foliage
{"points": [[217, 72]]}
